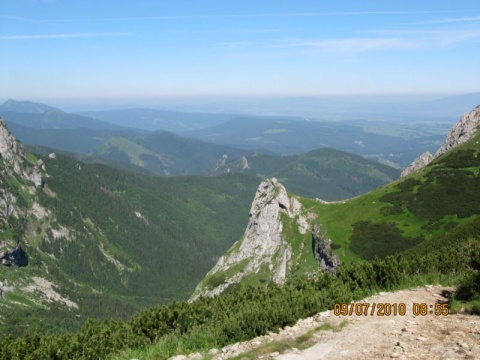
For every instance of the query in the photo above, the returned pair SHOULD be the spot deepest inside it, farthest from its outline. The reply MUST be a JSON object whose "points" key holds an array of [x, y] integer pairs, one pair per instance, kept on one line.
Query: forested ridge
{"points": [[114, 241]]}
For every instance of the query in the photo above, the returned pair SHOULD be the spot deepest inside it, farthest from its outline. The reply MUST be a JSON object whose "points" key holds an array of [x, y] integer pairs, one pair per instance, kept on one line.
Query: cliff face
{"points": [[14, 165], [262, 244], [462, 131], [323, 252]]}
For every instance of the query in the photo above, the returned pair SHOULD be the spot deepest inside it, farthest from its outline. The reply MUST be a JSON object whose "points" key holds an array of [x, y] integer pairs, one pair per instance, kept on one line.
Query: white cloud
{"points": [[453, 20], [353, 45], [434, 37]]}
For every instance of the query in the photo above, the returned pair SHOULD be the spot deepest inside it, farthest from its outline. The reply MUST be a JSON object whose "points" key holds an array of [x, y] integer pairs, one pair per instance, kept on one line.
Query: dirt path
{"points": [[403, 337], [374, 336]]}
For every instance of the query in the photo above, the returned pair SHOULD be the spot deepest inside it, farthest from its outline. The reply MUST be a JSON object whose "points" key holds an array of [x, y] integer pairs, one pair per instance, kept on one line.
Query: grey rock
{"points": [[231, 348], [462, 131], [13, 163], [323, 252], [213, 352], [422, 161]]}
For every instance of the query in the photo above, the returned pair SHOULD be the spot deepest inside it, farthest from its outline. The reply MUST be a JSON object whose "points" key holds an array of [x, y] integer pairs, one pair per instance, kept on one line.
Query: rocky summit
{"points": [[463, 130], [265, 253]]}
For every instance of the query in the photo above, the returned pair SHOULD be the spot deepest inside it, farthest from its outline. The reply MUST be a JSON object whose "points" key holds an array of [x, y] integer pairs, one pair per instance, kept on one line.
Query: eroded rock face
{"points": [[262, 244], [460, 133], [13, 163], [9, 149], [323, 252], [420, 162], [13, 156]]}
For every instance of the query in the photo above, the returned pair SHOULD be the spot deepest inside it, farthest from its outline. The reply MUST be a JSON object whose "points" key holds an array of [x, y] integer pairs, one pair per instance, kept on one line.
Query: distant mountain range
{"points": [[371, 107], [393, 143], [154, 120], [41, 116], [381, 141]]}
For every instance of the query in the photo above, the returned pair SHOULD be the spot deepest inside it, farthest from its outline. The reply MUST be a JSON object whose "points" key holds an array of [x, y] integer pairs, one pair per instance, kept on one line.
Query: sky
{"points": [[51, 49]]}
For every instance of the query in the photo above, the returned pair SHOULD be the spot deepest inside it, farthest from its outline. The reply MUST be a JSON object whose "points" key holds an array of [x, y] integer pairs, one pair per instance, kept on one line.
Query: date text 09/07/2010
{"points": [[387, 309]]}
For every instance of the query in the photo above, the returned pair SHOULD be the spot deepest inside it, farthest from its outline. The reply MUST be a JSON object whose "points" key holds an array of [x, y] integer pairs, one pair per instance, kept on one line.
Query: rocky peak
{"points": [[262, 244], [460, 133], [420, 162]]}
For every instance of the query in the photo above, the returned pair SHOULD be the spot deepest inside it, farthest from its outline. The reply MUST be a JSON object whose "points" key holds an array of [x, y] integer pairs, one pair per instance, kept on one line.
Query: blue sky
{"points": [[133, 49]]}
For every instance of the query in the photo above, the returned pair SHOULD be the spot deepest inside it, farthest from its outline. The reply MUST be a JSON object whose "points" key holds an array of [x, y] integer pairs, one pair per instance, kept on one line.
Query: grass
{"points": [[302, 258], [32, 159], [469, 307], [133, 150]]}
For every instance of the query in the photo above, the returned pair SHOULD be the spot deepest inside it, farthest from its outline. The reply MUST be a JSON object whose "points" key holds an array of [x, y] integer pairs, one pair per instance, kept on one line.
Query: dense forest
{"points": [[113, 241]]}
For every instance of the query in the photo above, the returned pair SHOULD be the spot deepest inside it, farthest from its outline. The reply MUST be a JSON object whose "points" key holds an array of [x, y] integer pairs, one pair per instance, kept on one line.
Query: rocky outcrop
{"points": [[230, 166], [14, 164], [14, 160], [322, 250], [244, 163], [460, 133], [7, 201], [263, 245], [420, 162], [10, 150]]}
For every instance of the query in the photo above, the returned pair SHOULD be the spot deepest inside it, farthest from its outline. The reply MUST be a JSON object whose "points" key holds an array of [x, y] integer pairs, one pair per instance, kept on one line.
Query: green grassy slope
{"points": [[400, 215]]}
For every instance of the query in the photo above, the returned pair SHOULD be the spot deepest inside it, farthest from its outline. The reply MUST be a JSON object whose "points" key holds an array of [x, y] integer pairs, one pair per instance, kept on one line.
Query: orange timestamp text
{"points": [[388, 309]]}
